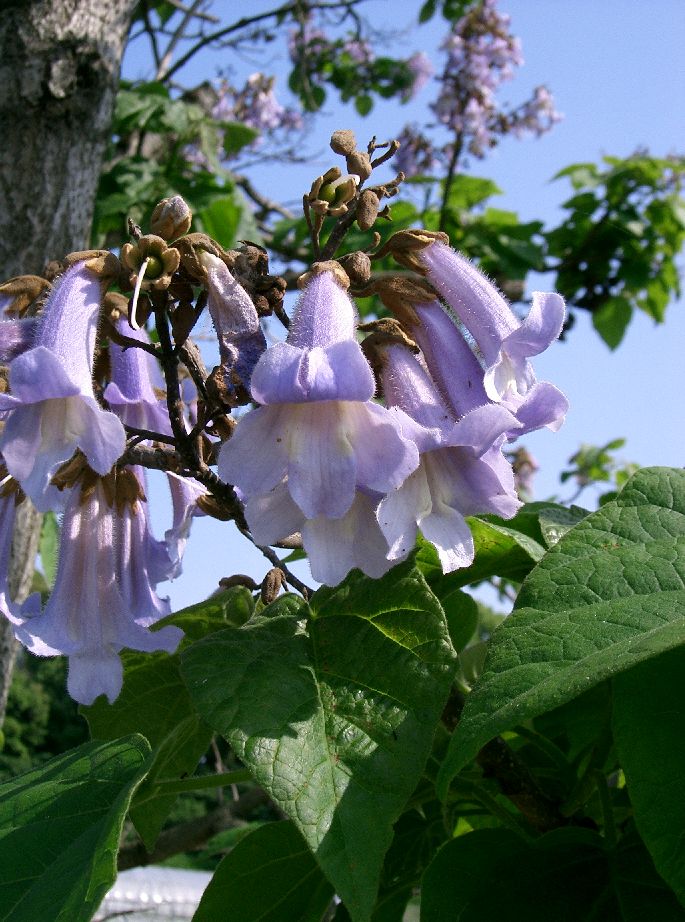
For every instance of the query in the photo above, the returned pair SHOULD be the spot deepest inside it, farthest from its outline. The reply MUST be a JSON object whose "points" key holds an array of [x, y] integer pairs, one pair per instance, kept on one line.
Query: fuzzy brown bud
{"points": [[367, 209], [406, 244], [330, 265], [171, 218], [23, 291], [358, 267], [101, 262], [343, 141], [359, 163], [400, 295], [272, 585]]}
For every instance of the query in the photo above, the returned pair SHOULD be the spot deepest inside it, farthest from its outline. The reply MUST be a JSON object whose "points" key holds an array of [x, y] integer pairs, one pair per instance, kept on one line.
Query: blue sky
{"points": [[617, 72]]}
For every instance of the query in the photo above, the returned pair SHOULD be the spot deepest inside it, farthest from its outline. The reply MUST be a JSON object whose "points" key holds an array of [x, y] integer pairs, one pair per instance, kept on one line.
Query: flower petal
{"points": [[448, 531], [384, 458], [273, 515], [321, 458], [324, 314], [543, 405], [102, 438], [336, 546], [399, 512], [254, 459]]}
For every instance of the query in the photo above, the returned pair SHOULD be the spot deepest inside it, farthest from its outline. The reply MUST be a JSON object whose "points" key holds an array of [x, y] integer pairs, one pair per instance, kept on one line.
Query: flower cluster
{"points": [[481, 55], [104, 598], [357, 479], [349, 450]]}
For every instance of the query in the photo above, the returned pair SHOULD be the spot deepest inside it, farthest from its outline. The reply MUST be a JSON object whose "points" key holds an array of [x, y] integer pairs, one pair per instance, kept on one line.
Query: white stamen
{"points": [[133, 323]]}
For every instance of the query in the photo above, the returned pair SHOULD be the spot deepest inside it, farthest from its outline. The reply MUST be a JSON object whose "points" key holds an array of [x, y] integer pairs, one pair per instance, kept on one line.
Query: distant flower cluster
{"points": [[255, 105], [482, 54]]}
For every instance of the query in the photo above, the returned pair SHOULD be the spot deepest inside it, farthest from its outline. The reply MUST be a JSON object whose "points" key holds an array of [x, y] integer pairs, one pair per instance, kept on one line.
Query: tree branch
{"points": [[280, 11]]}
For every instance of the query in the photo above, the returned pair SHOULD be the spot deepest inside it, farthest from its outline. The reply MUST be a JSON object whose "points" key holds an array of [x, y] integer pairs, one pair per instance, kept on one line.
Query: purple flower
{"points": [[421, 70], [185, 493], [102, 600], [505, 343], [16, 335], [461, 472], [53, 410], [318, 426], [334, 546], [136, 384], [241, 340], [8, 510]]}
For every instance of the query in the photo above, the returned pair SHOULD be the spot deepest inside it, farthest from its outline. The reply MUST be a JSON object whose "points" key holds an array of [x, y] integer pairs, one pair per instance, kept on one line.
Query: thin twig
{"points": [[279, 11], [273, 558]]}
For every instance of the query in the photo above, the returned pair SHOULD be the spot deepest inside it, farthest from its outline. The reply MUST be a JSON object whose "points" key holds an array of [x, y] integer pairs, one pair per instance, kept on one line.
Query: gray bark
{"points": [[59, 68]]}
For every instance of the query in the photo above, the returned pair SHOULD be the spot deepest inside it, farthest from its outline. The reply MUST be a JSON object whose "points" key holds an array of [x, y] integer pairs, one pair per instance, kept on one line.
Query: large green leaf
{"points": [[567, 875], [649, 719], [155, 702], [501, 550], [333, 708], [59, 831], [269, 876], [609, 594]]}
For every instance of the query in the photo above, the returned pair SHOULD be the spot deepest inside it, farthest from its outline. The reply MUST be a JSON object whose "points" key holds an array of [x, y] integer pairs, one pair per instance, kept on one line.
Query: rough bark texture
{"points": [[59, 68]]}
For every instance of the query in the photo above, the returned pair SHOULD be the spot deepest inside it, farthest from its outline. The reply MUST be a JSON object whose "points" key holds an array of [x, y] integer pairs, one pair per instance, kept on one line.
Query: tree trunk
{"points": [[59, 68]]}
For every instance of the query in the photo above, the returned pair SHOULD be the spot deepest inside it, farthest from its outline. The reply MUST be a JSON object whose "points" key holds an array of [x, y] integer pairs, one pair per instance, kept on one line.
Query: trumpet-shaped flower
{"points": [[52, 410], [8, 510], [505, 343], [334, 546], [241, 340], [185, 493], [318, 428], [102, 600], [136, 382], [461, 472]]}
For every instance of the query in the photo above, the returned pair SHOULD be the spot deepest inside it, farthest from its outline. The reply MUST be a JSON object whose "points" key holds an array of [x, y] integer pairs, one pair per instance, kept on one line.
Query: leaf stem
{"points": [[203, 782]]}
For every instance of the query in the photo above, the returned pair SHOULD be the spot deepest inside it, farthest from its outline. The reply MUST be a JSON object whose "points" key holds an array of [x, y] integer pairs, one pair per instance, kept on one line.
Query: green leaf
{"points": [[220, 220], [468, 191], [333, 708], [237, 136], [155, 702], [363, 104], [427, 10], [648, 719], [611, 320], [270, 875], [608, 595], [555, 521], [49, 547], [567, 874], [60, 828], [500, 551]]}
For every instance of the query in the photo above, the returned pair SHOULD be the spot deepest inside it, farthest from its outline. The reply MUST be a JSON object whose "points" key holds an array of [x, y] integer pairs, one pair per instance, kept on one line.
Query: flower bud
{"points": [[358, 267], [343, 141], [359, 163], [367, 210], [171, 218]]}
